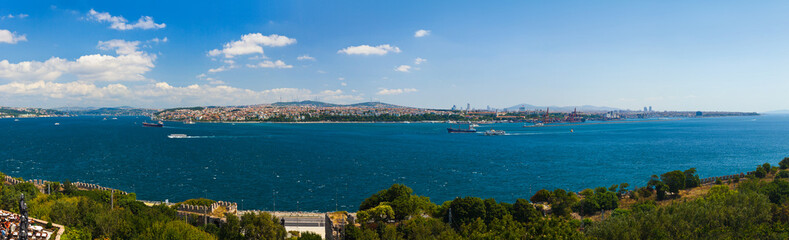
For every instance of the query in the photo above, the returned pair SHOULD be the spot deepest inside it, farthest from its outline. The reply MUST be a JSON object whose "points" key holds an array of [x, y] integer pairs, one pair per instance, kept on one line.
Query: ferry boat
{"points": [[494, 132], [177, 135], [147, 124]]}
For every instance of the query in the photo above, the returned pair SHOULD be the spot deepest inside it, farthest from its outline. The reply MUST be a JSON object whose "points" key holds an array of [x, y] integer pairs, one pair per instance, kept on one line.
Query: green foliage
{"points": [[261, 226], [732, 216], [524, 212], [562, 201], [231, 230], [199, 202], [761, 172], [777, 191], [401, 200], [467, 210], [784, 164], [494, 210], [782, 174], [718, 181], [691, 178], [661, 189], [644, 192], [76, 234], [310, 236], [675, 180], [541, 196], [381, 213], [622, 190]]}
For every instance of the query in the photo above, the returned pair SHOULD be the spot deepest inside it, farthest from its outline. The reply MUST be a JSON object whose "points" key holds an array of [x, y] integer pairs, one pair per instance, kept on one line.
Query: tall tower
{"points": [[468, 106], [23, 221]]}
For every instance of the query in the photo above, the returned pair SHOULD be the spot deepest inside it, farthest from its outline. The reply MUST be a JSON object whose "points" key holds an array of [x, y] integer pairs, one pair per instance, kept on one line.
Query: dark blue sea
{"points": [[323, 167]]}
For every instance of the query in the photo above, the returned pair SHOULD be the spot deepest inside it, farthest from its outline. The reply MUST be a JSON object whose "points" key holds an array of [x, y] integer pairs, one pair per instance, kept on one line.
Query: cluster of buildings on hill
{"points": [[15, 112], [296, 113]]}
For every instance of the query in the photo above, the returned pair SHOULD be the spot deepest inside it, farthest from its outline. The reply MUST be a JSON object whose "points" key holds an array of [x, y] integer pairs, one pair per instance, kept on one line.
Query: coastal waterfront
{"points": [[305, 166]]}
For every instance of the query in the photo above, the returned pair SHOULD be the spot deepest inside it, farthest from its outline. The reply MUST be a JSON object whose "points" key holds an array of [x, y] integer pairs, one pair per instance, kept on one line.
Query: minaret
{"points": [[23, 222]]}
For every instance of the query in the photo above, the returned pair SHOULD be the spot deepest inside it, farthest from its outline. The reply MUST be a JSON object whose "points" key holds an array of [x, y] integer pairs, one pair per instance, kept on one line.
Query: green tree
{"points": [[231, 230], [691, 178], [310, 236], [562, 201], [494, 210], [467, 210], [261, 226], [674, 180], [541, 196], [784, 164], [622, 190], [400, 198], [381, 213], [761, 172], [523, 211]]}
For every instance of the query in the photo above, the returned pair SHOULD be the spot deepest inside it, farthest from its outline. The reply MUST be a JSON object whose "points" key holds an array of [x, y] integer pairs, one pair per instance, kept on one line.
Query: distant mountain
{"points": [[323, 104], [375, 105], [123, 110], [785, 111], [584, 108], [304, 104]]}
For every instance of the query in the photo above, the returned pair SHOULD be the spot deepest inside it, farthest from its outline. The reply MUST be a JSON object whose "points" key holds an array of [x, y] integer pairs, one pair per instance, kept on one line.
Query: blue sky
{"points": [[672, 55]]}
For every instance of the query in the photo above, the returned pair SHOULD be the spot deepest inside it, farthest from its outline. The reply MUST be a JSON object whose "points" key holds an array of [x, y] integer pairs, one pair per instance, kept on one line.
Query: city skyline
{"points": [[672, 55]]}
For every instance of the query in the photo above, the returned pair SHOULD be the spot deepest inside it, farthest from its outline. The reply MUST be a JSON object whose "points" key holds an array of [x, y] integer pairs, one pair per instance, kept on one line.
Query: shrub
{"points": [[784, 164], [541, 196], [718, 181], [760, 172], [782, 174]]}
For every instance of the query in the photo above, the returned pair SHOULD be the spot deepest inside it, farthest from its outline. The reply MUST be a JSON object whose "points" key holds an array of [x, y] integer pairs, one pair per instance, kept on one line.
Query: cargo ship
{"points": [[470, 129], [147, 124]]}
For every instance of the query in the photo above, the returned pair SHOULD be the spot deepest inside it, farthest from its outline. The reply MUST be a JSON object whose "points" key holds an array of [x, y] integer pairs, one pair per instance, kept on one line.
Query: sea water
{"points": [[328, 166]]}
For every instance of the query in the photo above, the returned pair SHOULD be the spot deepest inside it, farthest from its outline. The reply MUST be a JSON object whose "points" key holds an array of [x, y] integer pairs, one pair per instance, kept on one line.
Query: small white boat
{"points": [[114, 118], [57, 124], [16, 120], [474, 125], [494, 132], [189, 121], [177, 135]]}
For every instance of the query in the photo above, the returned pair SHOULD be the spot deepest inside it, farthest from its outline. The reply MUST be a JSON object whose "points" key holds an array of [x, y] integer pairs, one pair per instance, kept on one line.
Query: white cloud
{"points": [[421, 33], [155, 94], [158, 40], [219, 69], [11, 37], [343, 84], [396, 91], [419, 60], [9, 16], [120, 23], [403, 68], [340, 78], [120, 46], [305, 57], [129, 65], [251, 44], [270, 64], [369, 50]]}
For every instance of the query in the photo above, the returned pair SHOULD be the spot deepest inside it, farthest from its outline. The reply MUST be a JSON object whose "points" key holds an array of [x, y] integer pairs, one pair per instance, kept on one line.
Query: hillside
{"points": [[324, 104], [583, 108]]}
